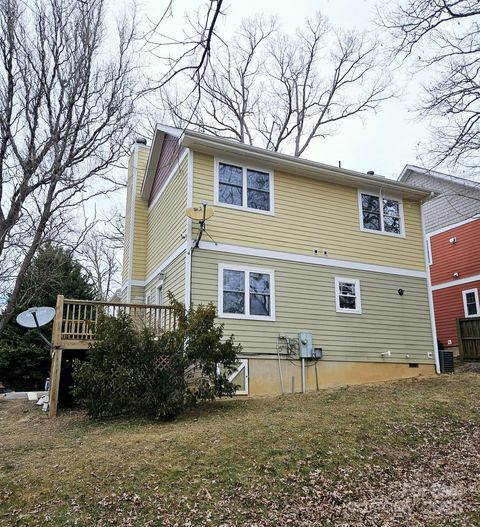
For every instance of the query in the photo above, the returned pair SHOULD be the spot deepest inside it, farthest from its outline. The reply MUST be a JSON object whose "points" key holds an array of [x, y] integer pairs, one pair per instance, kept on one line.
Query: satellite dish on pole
{"points": [[36, 317]]}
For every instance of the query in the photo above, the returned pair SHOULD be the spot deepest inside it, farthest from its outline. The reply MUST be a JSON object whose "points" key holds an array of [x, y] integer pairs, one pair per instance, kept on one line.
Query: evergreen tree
{"points": [[24, 357]]}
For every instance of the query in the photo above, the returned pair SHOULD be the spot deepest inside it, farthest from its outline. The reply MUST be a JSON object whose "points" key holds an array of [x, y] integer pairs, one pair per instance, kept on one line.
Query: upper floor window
{"points": [[347, 295], [245, 293], [380, 213], [470, 303], [243, 187]]}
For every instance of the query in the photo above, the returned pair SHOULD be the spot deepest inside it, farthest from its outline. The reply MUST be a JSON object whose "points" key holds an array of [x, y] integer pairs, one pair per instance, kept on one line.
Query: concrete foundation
{"points": [[264, 374]]}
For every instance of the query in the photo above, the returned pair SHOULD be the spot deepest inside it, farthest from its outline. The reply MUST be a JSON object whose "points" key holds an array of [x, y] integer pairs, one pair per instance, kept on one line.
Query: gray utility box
{"points": [[305, 345]]}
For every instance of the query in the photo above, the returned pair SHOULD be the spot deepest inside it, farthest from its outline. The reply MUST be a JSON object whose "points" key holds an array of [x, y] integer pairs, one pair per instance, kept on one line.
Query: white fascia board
{"points": [[294, 165], [152, 162], [188, 244], [168, 180], [439, 175], [300, 258], [170, 130]]}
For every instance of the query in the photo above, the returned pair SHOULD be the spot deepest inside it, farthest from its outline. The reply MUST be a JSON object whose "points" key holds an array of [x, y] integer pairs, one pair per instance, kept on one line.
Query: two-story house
{"points": [[318, 271], [452, 228]]}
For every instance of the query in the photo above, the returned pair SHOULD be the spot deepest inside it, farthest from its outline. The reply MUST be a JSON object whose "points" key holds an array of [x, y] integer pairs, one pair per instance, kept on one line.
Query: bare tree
{"points": [[186, 52], [230, 86], [100, 253], [66, 104], [283, 91], [443, 37]]}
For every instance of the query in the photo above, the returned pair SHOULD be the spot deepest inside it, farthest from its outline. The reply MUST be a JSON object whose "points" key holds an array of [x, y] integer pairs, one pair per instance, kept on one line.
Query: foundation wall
{"points": [[264, 374]]}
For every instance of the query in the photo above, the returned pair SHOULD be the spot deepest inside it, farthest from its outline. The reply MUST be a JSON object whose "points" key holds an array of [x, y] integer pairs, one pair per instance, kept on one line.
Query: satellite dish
{"points": [[36, 317], [202, 213]]}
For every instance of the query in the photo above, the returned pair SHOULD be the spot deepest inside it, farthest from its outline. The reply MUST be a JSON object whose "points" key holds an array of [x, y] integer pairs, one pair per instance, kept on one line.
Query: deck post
{"points": [[56, 354]]}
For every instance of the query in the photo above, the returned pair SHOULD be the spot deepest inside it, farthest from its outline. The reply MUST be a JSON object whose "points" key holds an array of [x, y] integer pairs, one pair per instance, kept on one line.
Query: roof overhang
{"points": [[293, 165], [413, 169], [161, 131]]}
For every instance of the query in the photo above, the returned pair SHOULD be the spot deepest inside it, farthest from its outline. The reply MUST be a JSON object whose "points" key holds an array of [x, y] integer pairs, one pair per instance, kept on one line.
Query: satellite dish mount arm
{"points": [[42, 336], [202, 229]]}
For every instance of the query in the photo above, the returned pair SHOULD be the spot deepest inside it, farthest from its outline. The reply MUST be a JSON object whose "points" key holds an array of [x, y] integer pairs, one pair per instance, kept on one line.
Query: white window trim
{"points": [[465, 309], [244, 167], [243, 365], [358, 309], [381, 196], [246, 316]]}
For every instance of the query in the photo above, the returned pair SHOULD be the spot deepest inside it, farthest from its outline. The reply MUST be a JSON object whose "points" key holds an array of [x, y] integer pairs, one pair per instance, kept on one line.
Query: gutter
{"points": [[303, 167]]}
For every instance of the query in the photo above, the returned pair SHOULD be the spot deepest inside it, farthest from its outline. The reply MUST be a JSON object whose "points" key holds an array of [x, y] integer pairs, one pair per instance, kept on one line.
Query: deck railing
{"points": [[79, 318]]}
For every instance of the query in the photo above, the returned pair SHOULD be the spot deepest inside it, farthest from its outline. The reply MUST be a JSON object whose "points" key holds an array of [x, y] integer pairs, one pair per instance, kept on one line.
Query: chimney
{"points": [[370, 173], [141, 141]]}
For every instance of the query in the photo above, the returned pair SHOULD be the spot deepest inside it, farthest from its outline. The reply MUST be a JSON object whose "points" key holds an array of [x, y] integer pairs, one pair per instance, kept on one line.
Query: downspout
{"points": [[430, 293]]}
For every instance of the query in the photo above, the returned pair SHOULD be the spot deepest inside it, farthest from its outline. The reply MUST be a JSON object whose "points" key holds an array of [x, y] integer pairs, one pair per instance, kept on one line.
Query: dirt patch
{"points": [[468, 367], [22, 423]]}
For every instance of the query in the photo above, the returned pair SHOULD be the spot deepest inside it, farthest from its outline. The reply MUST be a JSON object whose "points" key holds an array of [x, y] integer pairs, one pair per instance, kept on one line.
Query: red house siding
{"points": [[448, 306], [169, 156], [462, 257]]}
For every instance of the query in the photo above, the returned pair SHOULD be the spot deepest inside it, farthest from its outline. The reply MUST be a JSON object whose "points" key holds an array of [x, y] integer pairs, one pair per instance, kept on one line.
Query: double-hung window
{"points": [[243, 187], [245, 293], [380, 213], [470, 303], [347, 295]]}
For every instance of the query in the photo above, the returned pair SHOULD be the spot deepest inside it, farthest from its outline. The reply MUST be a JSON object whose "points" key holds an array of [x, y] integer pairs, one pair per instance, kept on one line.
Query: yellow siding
{"points": [[174, 280], [305, 301], [126, 237], [138, 295], [310, 214], [140, 221], [166, 220]]}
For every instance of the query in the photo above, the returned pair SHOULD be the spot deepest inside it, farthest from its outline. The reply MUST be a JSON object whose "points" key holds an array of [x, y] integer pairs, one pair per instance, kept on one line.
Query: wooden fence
{"points": [[468, 331]]}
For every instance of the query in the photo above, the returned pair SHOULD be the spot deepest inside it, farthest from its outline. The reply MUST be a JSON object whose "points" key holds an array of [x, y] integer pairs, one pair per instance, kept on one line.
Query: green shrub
{"points": [[24, 358], [132, 372]]}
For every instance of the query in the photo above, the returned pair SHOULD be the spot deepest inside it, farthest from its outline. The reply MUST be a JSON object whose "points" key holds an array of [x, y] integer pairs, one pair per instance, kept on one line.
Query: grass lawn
{"points": [[399, 453]]}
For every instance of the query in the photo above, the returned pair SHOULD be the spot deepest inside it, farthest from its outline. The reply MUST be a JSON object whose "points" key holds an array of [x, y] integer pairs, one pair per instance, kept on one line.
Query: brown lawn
{"points": [[399, 453]]}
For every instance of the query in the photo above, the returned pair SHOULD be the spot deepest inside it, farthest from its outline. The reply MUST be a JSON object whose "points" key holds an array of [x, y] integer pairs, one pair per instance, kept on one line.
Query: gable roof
{"points": [[161, 131], [413, 169], [214, 145]]}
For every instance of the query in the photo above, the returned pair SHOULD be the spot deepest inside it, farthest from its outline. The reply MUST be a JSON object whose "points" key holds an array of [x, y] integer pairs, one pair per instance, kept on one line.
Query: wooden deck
{"points": [[75, 324]]}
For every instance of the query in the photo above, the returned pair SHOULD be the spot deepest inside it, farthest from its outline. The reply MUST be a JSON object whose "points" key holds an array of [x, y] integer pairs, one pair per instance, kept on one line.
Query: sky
{"points": [[383, 142]]}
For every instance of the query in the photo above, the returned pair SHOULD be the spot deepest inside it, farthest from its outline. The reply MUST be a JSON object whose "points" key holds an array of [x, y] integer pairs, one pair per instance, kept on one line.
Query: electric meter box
{"points": [[305, 345]]}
